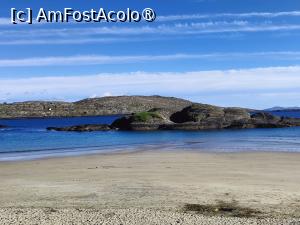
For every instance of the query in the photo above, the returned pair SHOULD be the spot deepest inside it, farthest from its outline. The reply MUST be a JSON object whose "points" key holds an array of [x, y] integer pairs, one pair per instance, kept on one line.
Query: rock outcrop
{"points": [[192, 117], [202, 117], [151, 120], [91, 107], [83, 128], [267, 120]]}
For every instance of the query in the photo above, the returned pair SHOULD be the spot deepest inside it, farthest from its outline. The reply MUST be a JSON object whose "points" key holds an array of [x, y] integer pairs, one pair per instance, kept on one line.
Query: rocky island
{"points": [[196, 116], [147, 113]]}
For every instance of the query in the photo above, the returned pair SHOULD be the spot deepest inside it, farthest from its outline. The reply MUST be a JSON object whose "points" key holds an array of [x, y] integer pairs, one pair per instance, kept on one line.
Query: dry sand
{"points": [[152, 187]]}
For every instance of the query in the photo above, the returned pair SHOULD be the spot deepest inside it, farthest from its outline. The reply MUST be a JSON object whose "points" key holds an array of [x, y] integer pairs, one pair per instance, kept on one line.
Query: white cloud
{"points": [[106, 59], [67, 41], [125, 33], [4, 21], [253, 82], [193, 27], [228, 15], [107, 94]]}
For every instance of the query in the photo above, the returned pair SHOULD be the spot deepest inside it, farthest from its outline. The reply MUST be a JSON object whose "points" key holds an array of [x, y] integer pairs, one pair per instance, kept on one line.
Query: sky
{"points": [[225, 52]]}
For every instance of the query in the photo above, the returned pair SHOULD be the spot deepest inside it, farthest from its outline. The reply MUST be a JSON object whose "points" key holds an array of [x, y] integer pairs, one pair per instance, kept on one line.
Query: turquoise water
{"points": [[28, 139]]}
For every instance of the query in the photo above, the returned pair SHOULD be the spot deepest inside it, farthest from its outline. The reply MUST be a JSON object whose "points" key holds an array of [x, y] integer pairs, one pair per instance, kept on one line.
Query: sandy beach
{"points": [[153, 187]]}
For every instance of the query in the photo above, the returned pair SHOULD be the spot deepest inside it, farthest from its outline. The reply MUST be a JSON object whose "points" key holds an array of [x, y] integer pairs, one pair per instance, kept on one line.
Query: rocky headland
{"points": [[202, 117], [147, 113], [193, 117], [90, 107]]}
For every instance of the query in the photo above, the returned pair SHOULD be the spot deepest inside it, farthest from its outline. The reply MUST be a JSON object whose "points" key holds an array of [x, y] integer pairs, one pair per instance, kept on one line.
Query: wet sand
{"points": [[151, 187]]}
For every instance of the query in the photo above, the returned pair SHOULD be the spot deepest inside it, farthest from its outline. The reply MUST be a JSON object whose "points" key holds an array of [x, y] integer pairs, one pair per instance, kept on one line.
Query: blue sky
{"points": [[225, 52]]}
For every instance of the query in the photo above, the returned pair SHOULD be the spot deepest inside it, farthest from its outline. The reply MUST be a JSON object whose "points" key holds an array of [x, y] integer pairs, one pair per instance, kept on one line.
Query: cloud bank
{"points": [[115, 33], [229, 15], [107, 59], [228, 87]]}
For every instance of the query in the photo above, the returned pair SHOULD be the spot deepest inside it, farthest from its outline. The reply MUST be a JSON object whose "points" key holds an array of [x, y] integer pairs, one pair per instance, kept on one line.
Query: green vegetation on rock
{"points": [[146, 116]]}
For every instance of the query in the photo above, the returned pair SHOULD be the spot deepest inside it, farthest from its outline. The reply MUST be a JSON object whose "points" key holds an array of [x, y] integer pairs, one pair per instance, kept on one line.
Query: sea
{"points": [[28, 139]]}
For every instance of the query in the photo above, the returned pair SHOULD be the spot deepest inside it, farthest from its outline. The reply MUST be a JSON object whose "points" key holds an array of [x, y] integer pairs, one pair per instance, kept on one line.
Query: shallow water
{"points": [[29, 139]]}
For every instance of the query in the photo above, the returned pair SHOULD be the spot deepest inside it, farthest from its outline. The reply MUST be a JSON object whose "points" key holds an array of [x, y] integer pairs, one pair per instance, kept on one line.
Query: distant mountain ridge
{"points": [[279, 108]]}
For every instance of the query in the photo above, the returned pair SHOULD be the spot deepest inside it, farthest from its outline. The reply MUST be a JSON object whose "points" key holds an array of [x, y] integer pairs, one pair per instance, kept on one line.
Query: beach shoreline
{"points": [[154, 181]]}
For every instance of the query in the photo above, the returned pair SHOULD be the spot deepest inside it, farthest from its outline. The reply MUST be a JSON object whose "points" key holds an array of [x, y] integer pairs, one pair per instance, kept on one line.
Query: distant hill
{"points": [[278, 108], [90, 107]]}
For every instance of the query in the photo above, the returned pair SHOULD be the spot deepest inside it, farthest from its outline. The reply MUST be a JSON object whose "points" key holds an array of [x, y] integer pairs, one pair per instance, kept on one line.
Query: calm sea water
{"points": [[28, 139]]}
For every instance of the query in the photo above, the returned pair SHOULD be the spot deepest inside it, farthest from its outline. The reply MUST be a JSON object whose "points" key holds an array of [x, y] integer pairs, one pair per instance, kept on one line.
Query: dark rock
{"points": [[150, 120], [181, 126], [266, 120], [233, 115], [237, 118], [202, 117], [197, 113], [290, 121], [83, 128], [263, 117], [123, 123], [241, 124]]}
